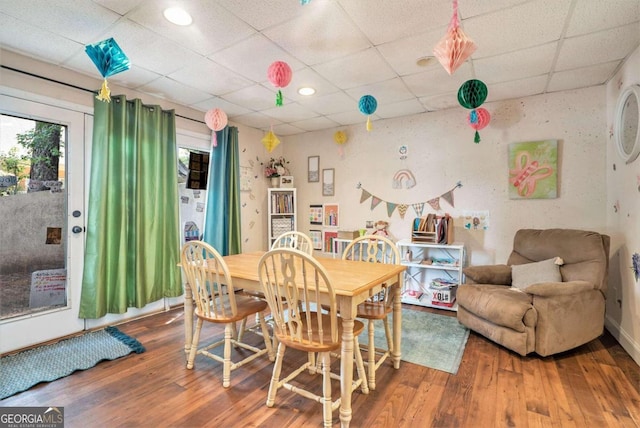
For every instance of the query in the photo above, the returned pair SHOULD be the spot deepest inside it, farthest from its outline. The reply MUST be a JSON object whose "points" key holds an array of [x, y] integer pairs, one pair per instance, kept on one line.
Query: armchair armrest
{"points": [[489, 274], [550, 289]]}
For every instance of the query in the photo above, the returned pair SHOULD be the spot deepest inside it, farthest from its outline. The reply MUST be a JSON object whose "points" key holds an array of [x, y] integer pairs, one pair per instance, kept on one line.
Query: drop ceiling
{"points": [[342, 48]]}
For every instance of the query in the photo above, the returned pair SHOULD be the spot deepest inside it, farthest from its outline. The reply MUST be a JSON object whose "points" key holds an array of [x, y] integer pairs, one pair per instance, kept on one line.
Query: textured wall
{"points": [[441, 152], [623, 206], [25, 220]]}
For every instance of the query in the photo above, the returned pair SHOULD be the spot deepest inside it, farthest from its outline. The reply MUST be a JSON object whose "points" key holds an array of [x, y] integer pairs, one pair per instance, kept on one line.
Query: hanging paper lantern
{"points": [[472, 94], [109, 59], [279, 75], [340, 137], [270, 141], [455, 47], [216, 120], [478, 119], [368, 106]]}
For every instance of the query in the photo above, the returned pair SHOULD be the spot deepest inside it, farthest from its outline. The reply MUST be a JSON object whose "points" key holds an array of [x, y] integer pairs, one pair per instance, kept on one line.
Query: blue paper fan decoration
{"points": [[109, 59]]}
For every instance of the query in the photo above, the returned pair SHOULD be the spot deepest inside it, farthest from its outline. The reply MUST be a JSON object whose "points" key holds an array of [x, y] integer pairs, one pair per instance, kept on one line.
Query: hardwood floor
{"points": [[596, 385]]}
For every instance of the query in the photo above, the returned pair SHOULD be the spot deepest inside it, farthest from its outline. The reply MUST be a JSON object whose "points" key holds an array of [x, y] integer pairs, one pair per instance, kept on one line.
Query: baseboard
{"points": [[624, 339]]}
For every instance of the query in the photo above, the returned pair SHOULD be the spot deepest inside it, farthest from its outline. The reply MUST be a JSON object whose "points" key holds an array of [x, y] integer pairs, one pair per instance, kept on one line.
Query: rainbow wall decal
{"points": [[406, 176]]}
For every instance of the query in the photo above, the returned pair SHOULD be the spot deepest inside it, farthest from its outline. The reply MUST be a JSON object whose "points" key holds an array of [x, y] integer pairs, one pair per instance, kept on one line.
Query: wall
{"points": [[623, 191], [441, 152], [26, 218]]}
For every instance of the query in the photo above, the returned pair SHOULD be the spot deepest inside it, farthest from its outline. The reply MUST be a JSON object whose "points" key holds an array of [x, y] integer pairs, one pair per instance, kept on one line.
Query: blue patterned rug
{"points": [[430, 340], [19, 372]]}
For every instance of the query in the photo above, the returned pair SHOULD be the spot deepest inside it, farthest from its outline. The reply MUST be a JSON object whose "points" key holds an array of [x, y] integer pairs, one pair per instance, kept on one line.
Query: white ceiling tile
{"points": [[267, 13], [28, 40], [524, 25], [415, 15], [333, 103], [582, 77], [597, 48], [134, 77], [403, 108], [590, 16], [255, 97], [471, 8], [435, 80], [402, 54], [305, 78], [120, 6], [351, 117], [291, 112], [231, 110], [315, 124], [522, 88], [257, 120], [440, 102], [364, 67], [287, 129], [387, 92], [319, 37], [149, 50], [241, 57], [200, 36], [171, 90], [78, 21], [518, 64], [210, 77]]}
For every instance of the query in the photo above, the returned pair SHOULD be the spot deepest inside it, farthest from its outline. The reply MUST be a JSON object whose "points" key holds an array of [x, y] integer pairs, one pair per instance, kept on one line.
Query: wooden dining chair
{"points": [[295, 285], [375, 249], [216, 301], [294, 239]]}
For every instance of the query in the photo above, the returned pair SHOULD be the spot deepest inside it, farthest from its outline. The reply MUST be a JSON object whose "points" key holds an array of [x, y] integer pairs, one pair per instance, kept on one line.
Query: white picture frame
{"points": [[286, 181]]}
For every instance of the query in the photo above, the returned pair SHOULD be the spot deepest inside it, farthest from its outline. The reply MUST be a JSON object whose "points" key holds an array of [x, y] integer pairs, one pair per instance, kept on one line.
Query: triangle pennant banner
{"points": [[402, 209], [418, 208], [375, 202], [391, 207], [365, 195], [435, 203], [449, 197]]}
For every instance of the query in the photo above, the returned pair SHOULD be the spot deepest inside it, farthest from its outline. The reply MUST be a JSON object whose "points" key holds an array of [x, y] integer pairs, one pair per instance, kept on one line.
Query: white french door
{"points": [[62, 319]]}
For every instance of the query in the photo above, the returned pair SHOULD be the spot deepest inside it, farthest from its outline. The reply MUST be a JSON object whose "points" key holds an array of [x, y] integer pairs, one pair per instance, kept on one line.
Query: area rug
{"points": [[19, 372], [430, 340]]}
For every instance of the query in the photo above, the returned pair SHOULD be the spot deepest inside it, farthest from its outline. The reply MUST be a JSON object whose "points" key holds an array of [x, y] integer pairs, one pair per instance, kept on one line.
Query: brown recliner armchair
{"points": [[545, 317]]}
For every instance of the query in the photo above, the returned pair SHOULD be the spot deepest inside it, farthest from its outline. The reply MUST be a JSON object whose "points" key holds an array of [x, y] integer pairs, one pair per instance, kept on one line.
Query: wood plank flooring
{"points": [[596, 385]]}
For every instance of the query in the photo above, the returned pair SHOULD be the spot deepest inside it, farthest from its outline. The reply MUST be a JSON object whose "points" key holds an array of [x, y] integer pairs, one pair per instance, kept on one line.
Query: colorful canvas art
{"points": [[533, 170]]}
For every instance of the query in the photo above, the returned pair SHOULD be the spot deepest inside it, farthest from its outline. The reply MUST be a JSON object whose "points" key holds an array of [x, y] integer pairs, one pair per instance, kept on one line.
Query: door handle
{"points": [[77, 229]]}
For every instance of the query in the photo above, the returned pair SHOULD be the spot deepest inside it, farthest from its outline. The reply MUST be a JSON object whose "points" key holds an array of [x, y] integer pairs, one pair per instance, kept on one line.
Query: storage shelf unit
{"points": [[282, 212], [430, 265]]}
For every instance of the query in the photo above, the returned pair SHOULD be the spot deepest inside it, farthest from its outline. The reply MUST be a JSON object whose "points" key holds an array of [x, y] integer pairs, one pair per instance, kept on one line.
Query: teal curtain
{"points": [[133, 241], [222, 220]]}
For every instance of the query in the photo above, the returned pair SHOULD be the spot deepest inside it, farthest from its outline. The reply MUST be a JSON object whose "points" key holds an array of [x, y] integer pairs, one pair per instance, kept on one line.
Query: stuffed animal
{"points": [[380, 227]]}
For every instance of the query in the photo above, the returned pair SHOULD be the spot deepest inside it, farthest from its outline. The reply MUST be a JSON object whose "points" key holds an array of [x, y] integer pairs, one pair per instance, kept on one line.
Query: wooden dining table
{"points": [[353, 282]]}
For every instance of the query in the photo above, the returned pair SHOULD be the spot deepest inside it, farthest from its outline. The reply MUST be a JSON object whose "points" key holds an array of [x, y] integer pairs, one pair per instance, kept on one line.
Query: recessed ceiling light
{"points": [[177, 16], [425, 61], [306, 91]]}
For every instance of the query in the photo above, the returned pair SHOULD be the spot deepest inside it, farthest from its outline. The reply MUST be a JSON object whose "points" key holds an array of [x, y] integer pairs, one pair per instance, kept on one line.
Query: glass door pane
{"points": [[33, 204]]}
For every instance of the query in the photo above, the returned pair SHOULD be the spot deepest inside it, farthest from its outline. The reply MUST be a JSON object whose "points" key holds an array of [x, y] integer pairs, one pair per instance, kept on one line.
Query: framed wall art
{"points": [[315, 214], [316, 239], [328, 182], [313, 169], [533, 170], [331, 214]]}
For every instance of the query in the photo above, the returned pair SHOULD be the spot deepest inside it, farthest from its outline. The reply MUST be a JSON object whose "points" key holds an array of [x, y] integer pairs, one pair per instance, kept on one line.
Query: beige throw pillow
{"points": [[526, 274]]}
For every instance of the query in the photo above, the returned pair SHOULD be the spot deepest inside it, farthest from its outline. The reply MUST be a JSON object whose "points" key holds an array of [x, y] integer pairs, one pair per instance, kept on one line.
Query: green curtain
{"points": [[222, 220], [133, 239]]}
